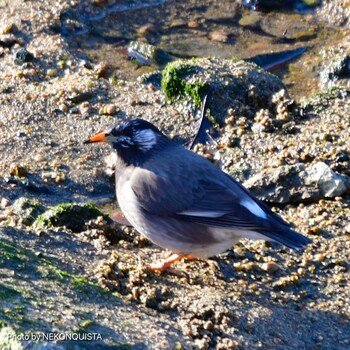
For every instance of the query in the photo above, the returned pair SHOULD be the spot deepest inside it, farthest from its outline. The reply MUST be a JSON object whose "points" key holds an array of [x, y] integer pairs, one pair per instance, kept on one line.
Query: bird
{"points": [[181, 201]]}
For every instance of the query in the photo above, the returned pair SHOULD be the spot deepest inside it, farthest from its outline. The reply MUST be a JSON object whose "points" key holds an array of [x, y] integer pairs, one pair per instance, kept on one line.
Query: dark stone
{"points": [[23, 56]]}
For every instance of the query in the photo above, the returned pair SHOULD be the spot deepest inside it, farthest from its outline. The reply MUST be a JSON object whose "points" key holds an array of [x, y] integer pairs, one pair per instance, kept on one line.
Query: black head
{"points": [[135, 141]]}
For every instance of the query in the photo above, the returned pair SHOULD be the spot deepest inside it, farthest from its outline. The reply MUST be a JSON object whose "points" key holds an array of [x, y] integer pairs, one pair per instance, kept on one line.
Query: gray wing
{"points": [[192, 189]]}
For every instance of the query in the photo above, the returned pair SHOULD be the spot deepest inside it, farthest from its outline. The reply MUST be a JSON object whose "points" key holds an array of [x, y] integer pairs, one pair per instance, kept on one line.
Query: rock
{"points": [[234, 84], [329, 183], [146, 29], [298, 183], [10, 28], [71, 215], [109, 109], [278, 5], [4, 202], [51, 72], [277, 185]]}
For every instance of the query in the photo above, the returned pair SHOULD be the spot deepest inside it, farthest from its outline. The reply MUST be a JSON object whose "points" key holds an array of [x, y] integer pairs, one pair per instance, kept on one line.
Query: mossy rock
{"points": [[234, 84], [71, 215]]}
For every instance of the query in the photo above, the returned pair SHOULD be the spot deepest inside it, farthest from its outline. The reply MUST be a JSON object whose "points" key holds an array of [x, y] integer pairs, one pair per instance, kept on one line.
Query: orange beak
{"points": [[101, 137]]}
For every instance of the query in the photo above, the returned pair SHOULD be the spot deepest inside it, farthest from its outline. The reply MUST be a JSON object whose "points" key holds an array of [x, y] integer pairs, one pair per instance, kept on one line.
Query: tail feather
{"points": [[289, 238]]}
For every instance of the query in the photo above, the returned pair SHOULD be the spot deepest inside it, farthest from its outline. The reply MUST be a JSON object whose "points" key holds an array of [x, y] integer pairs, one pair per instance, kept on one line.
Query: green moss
{"points": [[11, 253], [311, 3], [71, 215], [52, 271], [8, 247], [22, 260], [194, 91], [175, 82], [14, 307], [86, 323], [36, 278]]}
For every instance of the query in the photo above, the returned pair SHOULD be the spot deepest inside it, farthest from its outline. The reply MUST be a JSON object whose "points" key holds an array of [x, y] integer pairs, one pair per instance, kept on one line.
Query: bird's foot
{"points": [[165, 264]]}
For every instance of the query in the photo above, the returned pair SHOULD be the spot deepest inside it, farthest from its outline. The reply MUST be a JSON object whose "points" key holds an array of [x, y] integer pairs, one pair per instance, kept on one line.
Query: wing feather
{"points": [[213, 198]]}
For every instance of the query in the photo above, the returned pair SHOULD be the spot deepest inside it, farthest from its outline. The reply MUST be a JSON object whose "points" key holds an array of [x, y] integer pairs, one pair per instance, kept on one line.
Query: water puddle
{"points": [[196, 29]]}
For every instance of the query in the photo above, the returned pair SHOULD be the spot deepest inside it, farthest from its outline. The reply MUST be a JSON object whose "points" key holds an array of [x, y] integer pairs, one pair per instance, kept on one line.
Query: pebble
{"points": [[39, 158], [9, 28], [147, 28], [193, 24], [63, 107], [22, 56], [315, 231], [20, 170], [208, 325], [102, 70], [219, 36], [108, 109], [320, 257], [51, 72], [270, 267], [4, 203], [246, 267], [101, 2], [347, 228]]}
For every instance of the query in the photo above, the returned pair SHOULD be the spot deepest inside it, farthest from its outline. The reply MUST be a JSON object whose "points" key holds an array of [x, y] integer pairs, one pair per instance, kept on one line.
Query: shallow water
{"points": [[202, 28]]}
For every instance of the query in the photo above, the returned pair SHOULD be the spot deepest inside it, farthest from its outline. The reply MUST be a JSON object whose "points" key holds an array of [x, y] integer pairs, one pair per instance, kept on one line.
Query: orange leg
{"points": [[165, 264]]}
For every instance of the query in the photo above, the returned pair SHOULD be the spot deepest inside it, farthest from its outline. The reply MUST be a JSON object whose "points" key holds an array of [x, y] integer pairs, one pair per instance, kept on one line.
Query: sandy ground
{"points": [[93, 281]]}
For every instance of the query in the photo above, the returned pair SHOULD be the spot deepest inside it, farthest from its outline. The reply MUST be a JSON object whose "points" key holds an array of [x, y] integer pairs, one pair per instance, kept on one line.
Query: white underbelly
{"points": [[129, 206]]}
